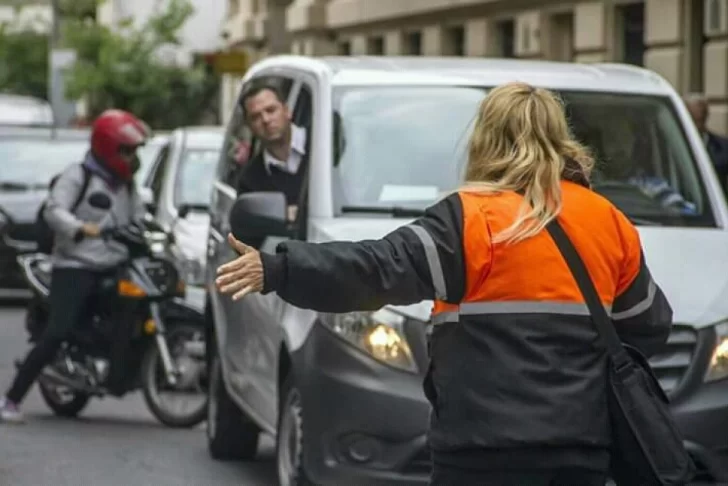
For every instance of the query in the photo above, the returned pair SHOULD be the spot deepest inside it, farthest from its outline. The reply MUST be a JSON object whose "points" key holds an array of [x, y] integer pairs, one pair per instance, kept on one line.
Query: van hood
{"points": [[689, 264]]}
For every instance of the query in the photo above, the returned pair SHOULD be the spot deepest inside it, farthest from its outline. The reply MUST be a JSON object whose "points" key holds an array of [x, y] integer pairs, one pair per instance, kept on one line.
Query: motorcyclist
{"points": [[80, 258]]}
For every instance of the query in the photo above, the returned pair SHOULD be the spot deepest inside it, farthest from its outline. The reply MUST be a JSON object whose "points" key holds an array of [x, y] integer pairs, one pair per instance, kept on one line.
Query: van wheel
{"points": [[289, 439], [230, 434]]}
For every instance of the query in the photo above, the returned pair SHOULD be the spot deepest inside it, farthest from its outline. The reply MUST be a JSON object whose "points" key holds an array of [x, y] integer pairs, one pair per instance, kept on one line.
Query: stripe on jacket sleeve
{"points": [[638, 297], [433, 260], [641, 306]]}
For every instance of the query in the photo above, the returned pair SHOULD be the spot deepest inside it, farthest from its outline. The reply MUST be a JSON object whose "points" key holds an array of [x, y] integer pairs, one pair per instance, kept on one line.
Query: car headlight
{"points": [[379, 334], [192, 271], [718, 367]]}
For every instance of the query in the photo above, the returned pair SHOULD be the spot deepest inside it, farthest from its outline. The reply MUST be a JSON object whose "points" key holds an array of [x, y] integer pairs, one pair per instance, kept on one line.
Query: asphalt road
{"points": [[113, 443]]}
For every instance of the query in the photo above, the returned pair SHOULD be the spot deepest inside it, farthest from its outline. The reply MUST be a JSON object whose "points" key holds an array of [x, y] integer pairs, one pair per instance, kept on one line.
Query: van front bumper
{"points": [[364, 423], [700, 409]]}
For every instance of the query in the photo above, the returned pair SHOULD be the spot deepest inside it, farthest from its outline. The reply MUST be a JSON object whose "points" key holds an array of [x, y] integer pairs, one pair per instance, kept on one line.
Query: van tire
{"points": [[289, 459], [231, 435]]}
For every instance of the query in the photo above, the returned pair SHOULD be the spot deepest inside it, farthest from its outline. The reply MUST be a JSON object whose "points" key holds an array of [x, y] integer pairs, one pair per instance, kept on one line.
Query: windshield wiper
{"points": [[396, 211]]}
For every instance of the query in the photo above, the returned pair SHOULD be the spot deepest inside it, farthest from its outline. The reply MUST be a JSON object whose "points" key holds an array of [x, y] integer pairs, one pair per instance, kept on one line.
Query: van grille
{"points": [[671, 365]]}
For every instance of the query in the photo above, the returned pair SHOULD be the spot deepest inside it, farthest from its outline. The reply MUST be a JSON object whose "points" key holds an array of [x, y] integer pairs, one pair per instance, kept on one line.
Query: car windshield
{"points": [[195, 177], [33, 162], [406, 147]]}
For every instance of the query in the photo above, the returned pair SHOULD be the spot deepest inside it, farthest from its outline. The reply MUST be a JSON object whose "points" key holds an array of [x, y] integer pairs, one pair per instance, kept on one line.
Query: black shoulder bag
{"points": [[647, 447]]}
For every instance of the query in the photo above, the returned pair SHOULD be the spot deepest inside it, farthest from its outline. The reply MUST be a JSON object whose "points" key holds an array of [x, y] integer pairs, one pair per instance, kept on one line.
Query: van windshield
{"points": [[406, 146]]}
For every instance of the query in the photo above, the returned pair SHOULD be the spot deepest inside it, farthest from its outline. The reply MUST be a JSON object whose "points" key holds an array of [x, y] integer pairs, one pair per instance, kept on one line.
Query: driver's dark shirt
{"points": [[255, 177]]}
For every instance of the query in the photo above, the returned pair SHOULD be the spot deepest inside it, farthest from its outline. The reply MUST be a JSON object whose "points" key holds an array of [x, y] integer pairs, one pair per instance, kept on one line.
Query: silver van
{"points": [[342, 393]]}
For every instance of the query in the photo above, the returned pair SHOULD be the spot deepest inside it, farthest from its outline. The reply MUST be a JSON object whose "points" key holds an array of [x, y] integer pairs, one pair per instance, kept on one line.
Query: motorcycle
{"points": [[143, 305]]}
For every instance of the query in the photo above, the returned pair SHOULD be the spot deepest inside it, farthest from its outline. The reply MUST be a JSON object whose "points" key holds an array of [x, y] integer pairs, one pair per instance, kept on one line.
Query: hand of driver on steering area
{"points": [[242, 275]]}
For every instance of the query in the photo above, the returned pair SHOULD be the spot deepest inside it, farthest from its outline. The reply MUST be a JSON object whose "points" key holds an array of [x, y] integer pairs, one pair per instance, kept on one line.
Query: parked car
{"points": [[342, 392], [177, 189], [24, 110], [30, 157]]}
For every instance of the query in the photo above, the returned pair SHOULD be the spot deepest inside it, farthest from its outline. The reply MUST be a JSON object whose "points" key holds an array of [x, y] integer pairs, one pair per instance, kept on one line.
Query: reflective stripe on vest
{"points": [[533, 278]]}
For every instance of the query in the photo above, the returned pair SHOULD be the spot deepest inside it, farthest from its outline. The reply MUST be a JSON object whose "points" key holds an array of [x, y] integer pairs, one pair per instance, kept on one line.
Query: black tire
{"points": [[150, 362], [289, 437], [231, 435], [67, 409]]}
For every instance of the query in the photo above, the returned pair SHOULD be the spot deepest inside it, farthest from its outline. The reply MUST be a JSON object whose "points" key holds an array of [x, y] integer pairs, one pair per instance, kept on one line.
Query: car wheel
{"points": [[289, 439], [231, 435]]}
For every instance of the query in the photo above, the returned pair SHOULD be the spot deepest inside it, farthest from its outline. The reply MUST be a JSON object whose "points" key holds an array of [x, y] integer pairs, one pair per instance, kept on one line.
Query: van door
{"points": [[238, 323], [269, 331]]}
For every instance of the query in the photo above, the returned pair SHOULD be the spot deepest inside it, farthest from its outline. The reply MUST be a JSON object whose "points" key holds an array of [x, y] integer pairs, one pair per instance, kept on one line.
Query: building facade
{"points": [[686, 41]]}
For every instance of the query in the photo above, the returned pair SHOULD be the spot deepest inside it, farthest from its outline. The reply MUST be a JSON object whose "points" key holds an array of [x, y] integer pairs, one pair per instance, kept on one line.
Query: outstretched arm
{"points": [[419, 261]]}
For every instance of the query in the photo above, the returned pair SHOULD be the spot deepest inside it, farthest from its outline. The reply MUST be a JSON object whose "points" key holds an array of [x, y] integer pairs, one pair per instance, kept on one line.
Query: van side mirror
{"points": [[256, 215]]}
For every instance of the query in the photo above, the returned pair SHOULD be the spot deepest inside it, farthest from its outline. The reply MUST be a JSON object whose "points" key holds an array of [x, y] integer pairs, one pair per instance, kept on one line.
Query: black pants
{"points": [[71, 292], [453, 476]]}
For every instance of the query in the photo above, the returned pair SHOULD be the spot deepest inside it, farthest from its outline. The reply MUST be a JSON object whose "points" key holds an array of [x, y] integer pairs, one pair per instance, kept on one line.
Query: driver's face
{"points": [[267, 116]]}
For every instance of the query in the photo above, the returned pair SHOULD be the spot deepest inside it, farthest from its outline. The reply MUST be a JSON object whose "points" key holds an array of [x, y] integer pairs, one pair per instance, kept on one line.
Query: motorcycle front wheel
{"points": [[191, 378], [63, 401]]}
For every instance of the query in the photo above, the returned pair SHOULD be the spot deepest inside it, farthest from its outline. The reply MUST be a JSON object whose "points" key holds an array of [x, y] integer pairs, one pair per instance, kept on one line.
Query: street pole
{"points": [[53, 41]]}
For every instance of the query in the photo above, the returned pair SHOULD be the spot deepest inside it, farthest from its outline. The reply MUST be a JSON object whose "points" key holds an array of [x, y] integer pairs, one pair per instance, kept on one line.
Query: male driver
{"points": [[281, 165], [717, 146]]}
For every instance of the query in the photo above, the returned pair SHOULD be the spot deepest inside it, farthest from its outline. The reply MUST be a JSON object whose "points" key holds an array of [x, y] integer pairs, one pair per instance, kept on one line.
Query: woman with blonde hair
{"points": [[517, 375]]}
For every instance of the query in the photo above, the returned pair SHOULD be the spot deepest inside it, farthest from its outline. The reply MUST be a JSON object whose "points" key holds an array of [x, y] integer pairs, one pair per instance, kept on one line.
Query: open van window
{"points": [[406, 146]]}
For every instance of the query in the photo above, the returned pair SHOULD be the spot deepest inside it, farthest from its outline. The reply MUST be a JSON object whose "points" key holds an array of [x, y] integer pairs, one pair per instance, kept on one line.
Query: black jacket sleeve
{"points": [[642, 315], [420, 261]]}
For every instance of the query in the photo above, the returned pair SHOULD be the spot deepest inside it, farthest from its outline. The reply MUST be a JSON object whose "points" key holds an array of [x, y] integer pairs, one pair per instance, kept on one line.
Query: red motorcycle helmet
{"points": [[115, 136]]}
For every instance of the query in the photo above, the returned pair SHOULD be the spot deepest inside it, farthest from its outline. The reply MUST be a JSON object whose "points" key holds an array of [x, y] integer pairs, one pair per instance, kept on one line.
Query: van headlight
{"points": [[718, 366], [379, 334]]}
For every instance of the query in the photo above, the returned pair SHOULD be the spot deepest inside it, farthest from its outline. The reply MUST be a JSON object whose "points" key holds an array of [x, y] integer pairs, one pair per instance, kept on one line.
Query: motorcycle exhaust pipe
{"points": [[53, 377]]}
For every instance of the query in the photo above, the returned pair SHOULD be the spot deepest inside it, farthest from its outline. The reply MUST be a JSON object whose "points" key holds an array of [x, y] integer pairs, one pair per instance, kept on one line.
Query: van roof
{"points": [[429, 70]]}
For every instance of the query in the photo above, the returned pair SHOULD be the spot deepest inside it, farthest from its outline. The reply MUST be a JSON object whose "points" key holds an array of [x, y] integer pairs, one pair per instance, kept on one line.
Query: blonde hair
{"points": [[521, 142]]}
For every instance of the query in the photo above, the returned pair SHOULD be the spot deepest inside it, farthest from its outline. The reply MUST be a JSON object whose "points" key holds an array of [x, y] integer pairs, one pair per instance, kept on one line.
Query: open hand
{"points": [[242, 275]]}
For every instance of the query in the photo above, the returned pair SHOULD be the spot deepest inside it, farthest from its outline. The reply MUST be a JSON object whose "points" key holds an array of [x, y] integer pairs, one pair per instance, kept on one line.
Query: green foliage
{"points": [[23, 62], [122, 69]]}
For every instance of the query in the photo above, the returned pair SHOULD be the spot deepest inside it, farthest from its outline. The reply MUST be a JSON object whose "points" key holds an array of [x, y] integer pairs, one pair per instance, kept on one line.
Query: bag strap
{"points": [[84, 187], [599, 315]]}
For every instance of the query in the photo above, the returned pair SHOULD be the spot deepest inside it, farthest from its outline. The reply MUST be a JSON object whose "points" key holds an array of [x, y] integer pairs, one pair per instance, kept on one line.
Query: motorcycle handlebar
{"points": [[107, 233]]}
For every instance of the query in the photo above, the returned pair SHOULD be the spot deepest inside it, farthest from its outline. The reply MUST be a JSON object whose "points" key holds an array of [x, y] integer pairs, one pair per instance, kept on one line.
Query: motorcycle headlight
{"points": [[157, 241], [718, 367], [379, 334]]}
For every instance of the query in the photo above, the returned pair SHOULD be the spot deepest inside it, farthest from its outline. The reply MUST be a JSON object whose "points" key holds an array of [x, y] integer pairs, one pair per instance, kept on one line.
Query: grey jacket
{"points": [[89, 253]]}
